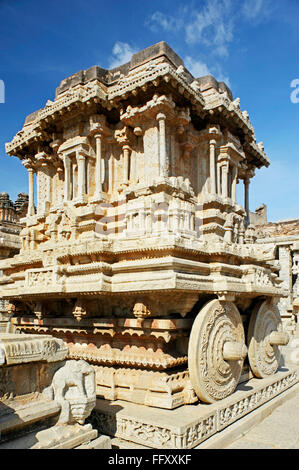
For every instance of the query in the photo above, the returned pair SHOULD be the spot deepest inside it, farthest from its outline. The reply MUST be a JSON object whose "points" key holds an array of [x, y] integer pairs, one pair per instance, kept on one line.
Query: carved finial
{"points": [[246, 115], [195, 85], [236, 103], [180, 70], [261, 145]]}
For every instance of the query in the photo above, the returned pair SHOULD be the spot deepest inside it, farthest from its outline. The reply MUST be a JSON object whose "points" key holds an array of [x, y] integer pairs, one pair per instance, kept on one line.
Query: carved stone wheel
{"points": [[216, 351], [264, 336]]}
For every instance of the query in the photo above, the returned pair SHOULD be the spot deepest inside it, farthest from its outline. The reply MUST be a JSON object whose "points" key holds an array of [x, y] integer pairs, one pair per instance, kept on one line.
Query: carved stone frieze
{"points": [[27, 348]]}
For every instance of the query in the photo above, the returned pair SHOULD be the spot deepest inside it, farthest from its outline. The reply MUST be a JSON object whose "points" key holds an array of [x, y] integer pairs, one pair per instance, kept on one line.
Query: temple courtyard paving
{"points": [[280, 430]]}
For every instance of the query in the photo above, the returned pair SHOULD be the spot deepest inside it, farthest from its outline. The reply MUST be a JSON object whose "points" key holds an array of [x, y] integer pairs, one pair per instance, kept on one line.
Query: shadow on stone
{"points": [[244, 387], [104, 421]]}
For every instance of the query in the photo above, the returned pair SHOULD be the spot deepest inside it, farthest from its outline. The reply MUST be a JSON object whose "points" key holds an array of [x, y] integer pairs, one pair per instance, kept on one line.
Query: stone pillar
{"points": [[246, 197], [164, 164], [48, 176], [98, 172], [74, 181], [31, 210], [110, 173], [126, 163], [224, 170], [172, 156], [81, 175], [204, 175], [67, 177], [234, 184], [218, 171], [212, 167]]}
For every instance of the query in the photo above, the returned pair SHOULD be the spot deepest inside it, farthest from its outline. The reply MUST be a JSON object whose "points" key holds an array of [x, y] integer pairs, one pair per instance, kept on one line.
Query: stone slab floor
{"points": [[280, 430]]}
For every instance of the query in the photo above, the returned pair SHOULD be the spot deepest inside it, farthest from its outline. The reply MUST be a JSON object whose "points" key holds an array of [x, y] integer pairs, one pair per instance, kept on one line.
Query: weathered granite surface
{"points": [[137, 253]]}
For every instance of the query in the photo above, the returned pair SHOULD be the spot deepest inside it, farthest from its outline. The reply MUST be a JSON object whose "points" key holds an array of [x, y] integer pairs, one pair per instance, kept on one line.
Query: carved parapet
{"points": [[250, 234], [19, 349], [261, 277], [158, 104], [160, 389]]}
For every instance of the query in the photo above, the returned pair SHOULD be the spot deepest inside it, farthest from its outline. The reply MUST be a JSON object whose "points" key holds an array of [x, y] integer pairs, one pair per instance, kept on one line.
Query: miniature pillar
{"points": [[234, 184], [31, 209], [162, 145], [218, 171], [224, 169], [212, 167], [126, 153], [81, 175], [204, 174], [67, 177], [110, 173], [48, 176], [98, 173], [246, 196], [73, 182]]}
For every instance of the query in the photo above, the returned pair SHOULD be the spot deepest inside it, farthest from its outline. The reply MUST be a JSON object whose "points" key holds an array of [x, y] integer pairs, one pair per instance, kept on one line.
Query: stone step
{"points": [[102, 442], [16, 417], [60, 437]]}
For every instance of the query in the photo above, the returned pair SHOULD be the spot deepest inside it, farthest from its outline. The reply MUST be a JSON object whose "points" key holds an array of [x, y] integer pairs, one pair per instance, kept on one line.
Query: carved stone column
{"points": [[126, 163], [31, 210], [218, 171], [164, 164], [224, 171], [234, 184], [212, 167], [28, 165], [110, 173], [67, 177], [204, 175], [98, 172], [81, 175], [246, 196], [43, 181]]}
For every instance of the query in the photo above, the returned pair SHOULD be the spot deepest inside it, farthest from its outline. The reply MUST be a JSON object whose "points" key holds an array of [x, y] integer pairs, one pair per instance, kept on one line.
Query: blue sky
{"points": [[250, 44]]}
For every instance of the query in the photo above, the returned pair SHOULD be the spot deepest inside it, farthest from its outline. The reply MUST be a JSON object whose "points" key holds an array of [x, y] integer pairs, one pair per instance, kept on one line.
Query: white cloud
{"points": [[196, 67], [252, 8], [213, 26], [169, 23], [121, 53], [200, 69]]}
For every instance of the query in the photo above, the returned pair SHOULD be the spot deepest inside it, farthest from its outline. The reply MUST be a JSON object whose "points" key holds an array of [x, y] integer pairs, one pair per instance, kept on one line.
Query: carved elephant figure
{"points": [[73, 387]]}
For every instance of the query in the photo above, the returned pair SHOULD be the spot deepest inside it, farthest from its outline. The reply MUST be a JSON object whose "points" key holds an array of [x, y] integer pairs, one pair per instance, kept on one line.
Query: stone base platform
{"points": [[189, 425]]}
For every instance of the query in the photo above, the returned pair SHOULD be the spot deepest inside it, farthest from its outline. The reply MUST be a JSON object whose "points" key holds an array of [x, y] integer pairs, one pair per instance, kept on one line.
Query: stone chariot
{"points": [[135, 250]]}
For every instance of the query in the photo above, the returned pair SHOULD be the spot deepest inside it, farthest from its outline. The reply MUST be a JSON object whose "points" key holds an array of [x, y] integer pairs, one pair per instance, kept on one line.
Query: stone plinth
{"points": [[187, 426]]}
